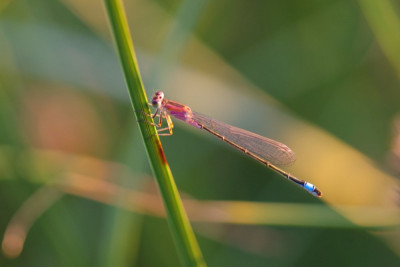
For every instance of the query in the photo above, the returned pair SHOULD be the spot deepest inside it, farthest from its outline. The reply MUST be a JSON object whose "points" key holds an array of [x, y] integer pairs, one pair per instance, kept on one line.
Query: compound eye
{"points": [[158, 98], [159, 94]]}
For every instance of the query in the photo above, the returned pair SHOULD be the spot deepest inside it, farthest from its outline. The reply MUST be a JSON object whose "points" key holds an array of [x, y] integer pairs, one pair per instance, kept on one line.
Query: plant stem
{"points": [[182, 232]]}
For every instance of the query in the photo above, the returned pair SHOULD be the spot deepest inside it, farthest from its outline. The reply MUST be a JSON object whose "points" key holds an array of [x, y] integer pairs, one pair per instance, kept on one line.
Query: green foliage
{"points": [[320, 76]]}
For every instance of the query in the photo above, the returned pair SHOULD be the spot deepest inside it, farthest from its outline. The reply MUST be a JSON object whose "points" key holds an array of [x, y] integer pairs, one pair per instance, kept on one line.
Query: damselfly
{"points": [[266, 151]]}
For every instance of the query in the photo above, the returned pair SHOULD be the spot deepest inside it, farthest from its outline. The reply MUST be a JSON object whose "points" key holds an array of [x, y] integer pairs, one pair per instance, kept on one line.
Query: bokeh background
{"points": [[320, 76]]}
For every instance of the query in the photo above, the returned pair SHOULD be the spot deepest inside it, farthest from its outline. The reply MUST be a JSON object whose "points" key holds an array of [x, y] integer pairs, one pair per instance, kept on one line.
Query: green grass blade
{"points": [[182, 232], [385, 24]]}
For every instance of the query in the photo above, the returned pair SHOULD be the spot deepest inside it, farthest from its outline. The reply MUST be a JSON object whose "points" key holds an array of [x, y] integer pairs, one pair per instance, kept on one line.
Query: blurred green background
{"points": [[320, 76]]}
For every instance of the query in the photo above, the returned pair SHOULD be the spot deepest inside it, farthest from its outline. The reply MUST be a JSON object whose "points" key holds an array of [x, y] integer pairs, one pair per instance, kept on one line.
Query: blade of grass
{"points": [[385, 24], [182, 232]]}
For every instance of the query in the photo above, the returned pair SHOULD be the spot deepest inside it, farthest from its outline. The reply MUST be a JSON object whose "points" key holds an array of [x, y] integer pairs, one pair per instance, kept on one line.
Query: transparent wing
{"points": [[265, 148]]}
